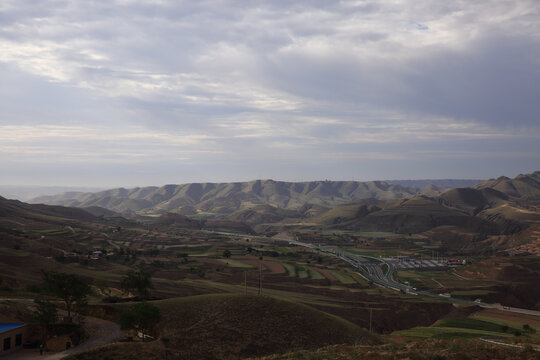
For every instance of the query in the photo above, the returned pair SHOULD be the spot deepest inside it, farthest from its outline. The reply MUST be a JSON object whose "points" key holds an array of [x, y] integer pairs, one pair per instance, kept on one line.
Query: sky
{"points": [[133, 93]]}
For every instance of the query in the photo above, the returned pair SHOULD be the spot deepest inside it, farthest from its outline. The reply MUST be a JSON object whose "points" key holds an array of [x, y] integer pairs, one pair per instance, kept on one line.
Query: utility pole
{"points": [[512, 248], [260, 278], [370, 318]]}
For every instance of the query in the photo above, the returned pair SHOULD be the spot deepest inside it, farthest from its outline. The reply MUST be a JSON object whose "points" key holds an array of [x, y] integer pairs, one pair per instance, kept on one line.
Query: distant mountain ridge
{"points": [[25, 193], [224, 198], [441, 184], [460, 218]]}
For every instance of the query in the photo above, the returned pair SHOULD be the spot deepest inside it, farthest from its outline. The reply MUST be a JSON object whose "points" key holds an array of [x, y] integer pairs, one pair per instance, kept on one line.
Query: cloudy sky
{"points": [[133, 92]]}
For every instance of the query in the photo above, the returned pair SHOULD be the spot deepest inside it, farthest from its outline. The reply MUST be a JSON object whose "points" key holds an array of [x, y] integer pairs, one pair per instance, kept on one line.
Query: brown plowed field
{"points": [[209, 261], [272, 266], [523, 319]]}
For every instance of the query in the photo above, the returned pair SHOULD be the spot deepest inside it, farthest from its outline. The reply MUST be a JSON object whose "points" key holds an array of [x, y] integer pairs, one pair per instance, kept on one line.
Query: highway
{"points": [[371, 269]]}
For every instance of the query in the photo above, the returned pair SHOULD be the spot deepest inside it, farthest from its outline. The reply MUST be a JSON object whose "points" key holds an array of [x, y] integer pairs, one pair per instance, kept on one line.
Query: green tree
{"points": [[138, 281], [227, 254], [142, 317], [69, 287], [45, 315]]}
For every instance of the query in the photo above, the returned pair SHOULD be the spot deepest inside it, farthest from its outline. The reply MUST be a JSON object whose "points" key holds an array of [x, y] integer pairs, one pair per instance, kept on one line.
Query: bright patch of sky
{"points": [[126, 93]]}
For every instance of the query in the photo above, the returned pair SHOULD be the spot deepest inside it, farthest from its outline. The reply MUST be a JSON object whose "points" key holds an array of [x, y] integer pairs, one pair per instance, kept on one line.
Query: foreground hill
{"points": [[421, 350], [229, 326], [225, 198]]}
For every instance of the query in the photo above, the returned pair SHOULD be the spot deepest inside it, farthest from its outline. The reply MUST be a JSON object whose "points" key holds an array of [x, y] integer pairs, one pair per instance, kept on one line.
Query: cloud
{"points": [[231, 81]]}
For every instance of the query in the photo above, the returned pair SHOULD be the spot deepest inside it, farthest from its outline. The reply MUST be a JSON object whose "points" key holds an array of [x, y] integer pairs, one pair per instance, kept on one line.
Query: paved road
{"points": [[505, 344], [370, 268]]}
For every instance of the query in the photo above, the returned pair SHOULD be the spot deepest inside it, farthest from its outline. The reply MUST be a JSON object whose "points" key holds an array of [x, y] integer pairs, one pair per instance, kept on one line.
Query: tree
{"points": [[45, 315], [227, 254], [138, 281], [69, 287], [142, 317]]}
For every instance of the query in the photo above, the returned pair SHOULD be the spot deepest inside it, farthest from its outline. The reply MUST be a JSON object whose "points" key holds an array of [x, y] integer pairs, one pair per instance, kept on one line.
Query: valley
{"points": [[265, 280]]}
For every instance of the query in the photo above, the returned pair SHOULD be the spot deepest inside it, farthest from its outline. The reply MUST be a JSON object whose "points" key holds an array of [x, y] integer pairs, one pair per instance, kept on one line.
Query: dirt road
{"points": [[101, 332]]}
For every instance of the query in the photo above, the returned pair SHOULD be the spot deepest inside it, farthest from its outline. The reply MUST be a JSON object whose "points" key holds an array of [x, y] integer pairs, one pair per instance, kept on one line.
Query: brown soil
{"points": [[210, 261], [532, 320], [271, 266], [234, 327], [532, 247]]}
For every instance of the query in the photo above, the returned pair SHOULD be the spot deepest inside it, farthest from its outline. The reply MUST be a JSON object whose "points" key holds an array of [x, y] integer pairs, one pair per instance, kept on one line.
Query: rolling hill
{"points": [[523, 186], [14, 209], [496, 206], [224, 326], [226, 198], [414, 215]]}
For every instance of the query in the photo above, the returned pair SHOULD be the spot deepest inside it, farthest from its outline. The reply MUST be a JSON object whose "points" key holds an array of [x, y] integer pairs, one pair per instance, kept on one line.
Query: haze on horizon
{"points": [[131, 93]]}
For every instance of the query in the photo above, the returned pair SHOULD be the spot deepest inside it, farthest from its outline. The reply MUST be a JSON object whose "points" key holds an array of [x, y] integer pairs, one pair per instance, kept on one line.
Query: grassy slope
{"points": [[522, 186], [455, 328], [426, 349], [234, 196], [228, 326]]}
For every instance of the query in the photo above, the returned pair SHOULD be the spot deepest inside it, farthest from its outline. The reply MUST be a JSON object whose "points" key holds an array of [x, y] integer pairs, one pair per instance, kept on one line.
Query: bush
{"points": [[34, 288], [142, 317]]}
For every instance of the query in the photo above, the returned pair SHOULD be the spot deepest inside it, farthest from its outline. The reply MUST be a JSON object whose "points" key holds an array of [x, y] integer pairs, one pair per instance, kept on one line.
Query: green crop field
{"points": [[534, 334], [301, 272], [290, 269], [359, 279], [447, 333], [471, 323], [315, 275], [474, 292], [342, 277], [460, 328]]}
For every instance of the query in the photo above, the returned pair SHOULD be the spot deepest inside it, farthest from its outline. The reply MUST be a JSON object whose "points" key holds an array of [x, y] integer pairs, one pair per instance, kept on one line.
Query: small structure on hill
{"points": [[12, 336]]}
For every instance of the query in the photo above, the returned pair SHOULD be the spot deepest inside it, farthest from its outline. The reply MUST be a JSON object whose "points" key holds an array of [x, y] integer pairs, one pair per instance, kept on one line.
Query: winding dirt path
{"points": [[101, 332]]}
